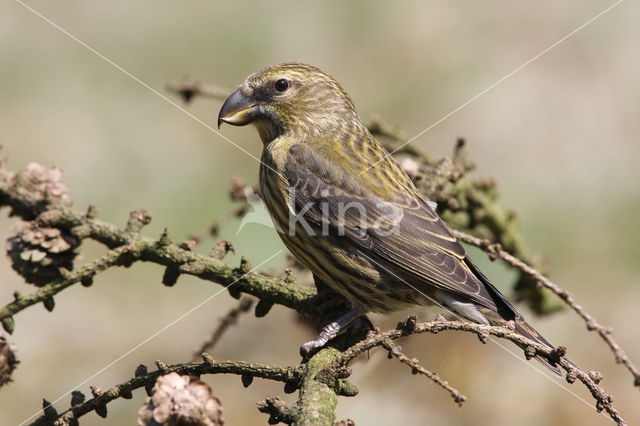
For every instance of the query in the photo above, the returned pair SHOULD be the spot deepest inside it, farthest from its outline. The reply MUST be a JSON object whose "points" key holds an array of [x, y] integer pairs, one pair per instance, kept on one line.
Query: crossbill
{"points": [[346, 210]]}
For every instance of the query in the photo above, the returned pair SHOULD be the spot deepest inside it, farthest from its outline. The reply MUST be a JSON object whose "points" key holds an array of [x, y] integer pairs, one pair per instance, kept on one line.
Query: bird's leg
{"points": [[325, 299], [330, 331]]}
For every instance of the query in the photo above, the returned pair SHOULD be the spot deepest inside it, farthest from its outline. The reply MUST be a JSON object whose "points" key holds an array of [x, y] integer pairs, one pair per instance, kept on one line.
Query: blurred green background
{"points": [[560, 136]]}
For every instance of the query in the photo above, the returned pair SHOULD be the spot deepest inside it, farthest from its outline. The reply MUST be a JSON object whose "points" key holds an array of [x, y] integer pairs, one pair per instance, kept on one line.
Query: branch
{"points": [[471, 204], [51, 212], [590, 380], [317, 399], [189, 88], [278, 410], [495, 251], [144, 379], [214, 228], [227, 321], [45, 293], [416, 368], [394, 140]]}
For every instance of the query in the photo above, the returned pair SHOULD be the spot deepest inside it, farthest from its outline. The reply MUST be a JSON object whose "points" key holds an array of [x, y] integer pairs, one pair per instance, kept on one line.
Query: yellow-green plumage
{"points": [[317, 158]]}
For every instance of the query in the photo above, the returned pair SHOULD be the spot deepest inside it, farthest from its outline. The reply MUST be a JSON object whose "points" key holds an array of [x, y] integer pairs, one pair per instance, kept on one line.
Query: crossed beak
{"points": [[238, 110]]}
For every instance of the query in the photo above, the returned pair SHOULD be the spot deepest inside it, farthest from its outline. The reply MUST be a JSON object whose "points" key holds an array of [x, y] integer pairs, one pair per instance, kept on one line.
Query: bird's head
{"points": [[289, 98]]}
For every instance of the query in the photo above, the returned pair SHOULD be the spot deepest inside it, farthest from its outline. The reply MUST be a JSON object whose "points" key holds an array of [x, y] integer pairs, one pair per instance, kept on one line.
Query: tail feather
{"points": [[505, 312], [525, 330], [529, 332]]}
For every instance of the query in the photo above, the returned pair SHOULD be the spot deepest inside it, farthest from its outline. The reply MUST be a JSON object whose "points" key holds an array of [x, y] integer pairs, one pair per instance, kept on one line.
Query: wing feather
{"points": [[419, 247]]}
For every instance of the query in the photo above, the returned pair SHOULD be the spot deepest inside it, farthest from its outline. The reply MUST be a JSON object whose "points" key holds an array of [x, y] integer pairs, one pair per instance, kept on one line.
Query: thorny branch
{"points": [[322, 378]]}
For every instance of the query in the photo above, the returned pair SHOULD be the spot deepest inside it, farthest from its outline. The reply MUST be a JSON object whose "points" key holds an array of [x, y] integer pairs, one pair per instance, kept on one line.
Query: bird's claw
{"points": [[308, 349], [333, 329]]}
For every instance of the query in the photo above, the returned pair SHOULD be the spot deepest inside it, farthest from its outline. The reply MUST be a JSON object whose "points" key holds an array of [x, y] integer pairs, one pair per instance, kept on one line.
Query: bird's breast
{"points": [[274, 186]]}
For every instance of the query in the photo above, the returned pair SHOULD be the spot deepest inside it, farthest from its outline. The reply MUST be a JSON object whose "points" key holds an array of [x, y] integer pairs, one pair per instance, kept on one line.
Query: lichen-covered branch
{"points": [[134, 246], [496, 251], [83, 274], [317, 400], [278, 410]]}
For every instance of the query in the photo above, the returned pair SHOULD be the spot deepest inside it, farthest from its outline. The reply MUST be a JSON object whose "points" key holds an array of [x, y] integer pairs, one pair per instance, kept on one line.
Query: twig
{"points": [[83, 274], [286, 270], [227, 321], [496, 251], [189, 88], [278, 410], [416, 368], [471, 204], [144, 379], [214, 228], [393, 139], [603, 400], [238, 192]]}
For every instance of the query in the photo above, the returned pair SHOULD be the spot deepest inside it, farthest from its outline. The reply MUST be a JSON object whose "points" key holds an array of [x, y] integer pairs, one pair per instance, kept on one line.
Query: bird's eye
{"points": [[281, 85]]}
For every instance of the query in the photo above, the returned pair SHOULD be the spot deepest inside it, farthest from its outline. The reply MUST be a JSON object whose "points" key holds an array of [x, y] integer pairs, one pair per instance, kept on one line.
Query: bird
{"points": [[347, 211]]}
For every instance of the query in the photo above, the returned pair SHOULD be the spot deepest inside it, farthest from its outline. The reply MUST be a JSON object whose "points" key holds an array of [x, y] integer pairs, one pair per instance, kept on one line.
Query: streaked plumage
{"points": [[316, 160]]}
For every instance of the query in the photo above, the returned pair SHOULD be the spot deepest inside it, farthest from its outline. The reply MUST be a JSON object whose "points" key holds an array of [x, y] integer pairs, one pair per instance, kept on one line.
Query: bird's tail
{"points": [[525, 330], [505, 310], [531, 333]]}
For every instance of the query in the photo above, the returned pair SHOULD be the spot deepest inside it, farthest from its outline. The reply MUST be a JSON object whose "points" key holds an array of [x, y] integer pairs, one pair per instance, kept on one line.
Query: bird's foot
{"points": [[334, 329]]}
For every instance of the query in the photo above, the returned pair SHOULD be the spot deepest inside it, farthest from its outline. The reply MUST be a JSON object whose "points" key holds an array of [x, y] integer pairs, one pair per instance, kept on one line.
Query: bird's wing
{"points": [[404, 234]]}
